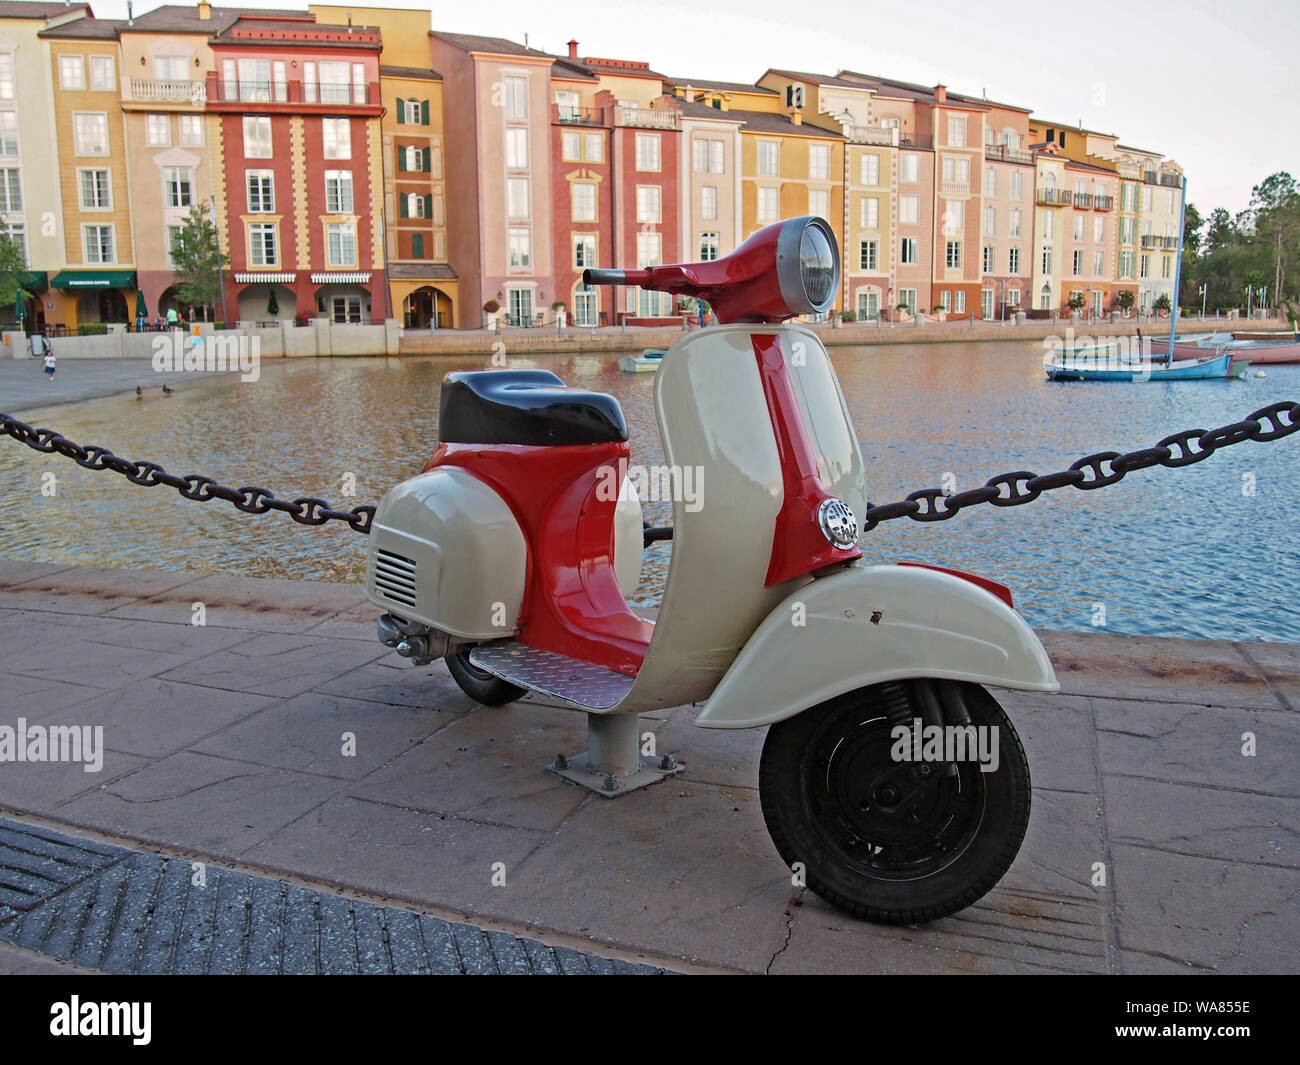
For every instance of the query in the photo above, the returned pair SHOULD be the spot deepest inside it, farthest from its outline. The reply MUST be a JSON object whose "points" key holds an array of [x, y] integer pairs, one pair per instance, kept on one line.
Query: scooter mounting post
{"points": [[613, 764]]}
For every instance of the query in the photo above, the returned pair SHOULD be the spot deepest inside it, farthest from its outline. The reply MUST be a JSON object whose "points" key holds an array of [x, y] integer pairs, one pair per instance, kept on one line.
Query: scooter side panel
{"points": [[871, 624], [467, 557]]}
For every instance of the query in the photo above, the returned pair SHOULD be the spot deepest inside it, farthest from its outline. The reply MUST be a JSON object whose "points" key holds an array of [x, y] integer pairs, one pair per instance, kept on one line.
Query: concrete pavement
{"points": [[281, 742]]}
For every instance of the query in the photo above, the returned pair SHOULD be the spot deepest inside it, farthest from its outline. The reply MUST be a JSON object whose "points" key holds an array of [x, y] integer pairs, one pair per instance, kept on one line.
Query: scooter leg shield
{"points": [[870, 624]]}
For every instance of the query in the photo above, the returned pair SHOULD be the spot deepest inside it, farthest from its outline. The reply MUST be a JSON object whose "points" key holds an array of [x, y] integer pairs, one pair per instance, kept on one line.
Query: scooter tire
{"points": [[479, 684], [827, 816]]}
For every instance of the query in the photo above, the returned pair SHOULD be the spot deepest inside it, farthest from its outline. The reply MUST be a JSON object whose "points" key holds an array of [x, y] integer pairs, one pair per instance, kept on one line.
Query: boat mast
{"points": [[1178, 269]]}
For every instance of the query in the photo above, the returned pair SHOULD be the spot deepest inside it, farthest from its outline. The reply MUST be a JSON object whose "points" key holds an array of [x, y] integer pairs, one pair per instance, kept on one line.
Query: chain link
{"points": [[926, 504], [251, 500], [1093, 471]]}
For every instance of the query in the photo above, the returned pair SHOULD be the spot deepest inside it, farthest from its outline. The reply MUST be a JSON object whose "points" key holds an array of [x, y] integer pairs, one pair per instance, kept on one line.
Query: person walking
{"points": [[48, 360]]}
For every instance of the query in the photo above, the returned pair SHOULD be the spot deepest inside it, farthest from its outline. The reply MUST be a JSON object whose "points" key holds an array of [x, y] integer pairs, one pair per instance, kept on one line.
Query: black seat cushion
{"points": [[525, 407]]}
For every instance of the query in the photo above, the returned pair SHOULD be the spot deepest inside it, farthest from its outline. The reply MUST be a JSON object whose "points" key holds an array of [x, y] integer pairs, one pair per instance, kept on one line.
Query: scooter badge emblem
{"points": [[837, 523]]}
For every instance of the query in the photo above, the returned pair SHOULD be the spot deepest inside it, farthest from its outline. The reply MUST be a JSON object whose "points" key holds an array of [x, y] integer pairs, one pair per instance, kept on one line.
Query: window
{"points": [[1098, 262], [90, 133], [1078, 227], [649, 248], [358, 83], [1045, 298], [344, 309], [72, 73], [1099, 229], [415, 205], [708, 156], [336, 135], [767, 205], [870, 212], [595, 147], [1017, 185], [954, 216], [517, 147], [909, 210], [945, 301], [1126, 264], [990, 221], [907, 250], [952, 255], [819, 202], [959, 301], [11, 191], [410, 157], [1144, 267], [568, 105], [907, 297], [178, 188], [584, 200], [870, 168], [308, 82], [172, 235], [171, 67], [519, 247], [769, 158], [570, 145], [648, 204], [6, 76], [192, 131], [517, 198], [1171, 201], [868, 304], [412, 113], [8, 132], [158, 131], [338, 191], [986, 265], [990, 181], [1049, 223], [986, 302], [261, 244], [102, 77], [1078, 264], [868, 255], [957, 131], [709, 202], [794, 96], [586, 305], [584, 250], [261, 191], [335, 82], [1146, 198], [341, 243], [819, 161], [257, 136], [710, 247], [647, 151], [909, 167], [1013, 261], [1013, 297], [1166, 266], [96, 190], [99, 244], [1047, 261], [516, 98]]}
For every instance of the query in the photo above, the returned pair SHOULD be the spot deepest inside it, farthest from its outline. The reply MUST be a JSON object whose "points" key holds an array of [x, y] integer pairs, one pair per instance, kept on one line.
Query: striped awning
{"points": [[341, 279], [265, 279]]}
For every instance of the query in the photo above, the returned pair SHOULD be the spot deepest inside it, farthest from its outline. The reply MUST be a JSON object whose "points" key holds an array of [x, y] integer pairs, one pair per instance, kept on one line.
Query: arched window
{"points": [[1010, 138], [1045, 298]]}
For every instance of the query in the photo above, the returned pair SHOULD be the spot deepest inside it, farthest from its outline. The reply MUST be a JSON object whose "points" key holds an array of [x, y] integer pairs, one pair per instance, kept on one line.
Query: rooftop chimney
{"points": [[941, 92], [130, 14], [573, 49], [205, 10]]}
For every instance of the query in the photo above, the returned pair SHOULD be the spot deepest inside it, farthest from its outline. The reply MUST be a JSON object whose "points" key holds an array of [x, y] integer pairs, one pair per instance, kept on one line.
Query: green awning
{"points": [[93, 279], [34, 280]]}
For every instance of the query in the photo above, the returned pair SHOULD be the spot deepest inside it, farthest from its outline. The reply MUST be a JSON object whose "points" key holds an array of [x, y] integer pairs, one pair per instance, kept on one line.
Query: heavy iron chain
{"points": [[1092, 471], [308, 510], [927, 504]]}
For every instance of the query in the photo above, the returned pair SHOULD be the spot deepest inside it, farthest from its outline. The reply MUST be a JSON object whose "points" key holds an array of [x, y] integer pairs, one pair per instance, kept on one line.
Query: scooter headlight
{"points": [[807, 265]]}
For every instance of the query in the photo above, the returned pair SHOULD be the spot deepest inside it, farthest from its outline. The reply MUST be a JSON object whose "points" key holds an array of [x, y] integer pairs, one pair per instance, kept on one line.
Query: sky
{"points": [[1209, 84]]}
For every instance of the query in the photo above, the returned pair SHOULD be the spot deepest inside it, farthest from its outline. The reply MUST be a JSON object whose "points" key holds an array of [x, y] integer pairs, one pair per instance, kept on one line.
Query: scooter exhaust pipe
{"points": [[419, 643]]}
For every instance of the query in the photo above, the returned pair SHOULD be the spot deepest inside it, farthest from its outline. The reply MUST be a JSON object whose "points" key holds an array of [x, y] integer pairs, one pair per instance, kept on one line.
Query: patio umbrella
{"points": [[141, 310], [20, 306], [273, 305]]}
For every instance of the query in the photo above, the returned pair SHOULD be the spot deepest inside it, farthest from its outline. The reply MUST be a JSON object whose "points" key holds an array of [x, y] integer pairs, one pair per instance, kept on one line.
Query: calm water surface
{"points": [[1174, 553]]}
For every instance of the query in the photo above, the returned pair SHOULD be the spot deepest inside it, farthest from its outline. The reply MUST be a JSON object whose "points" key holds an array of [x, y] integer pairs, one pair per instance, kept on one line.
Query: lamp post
{"points": [[216, 236], [1249, 293]]}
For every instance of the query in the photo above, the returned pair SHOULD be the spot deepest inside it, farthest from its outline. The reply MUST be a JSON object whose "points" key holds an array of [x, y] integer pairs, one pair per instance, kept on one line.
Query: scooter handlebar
{"points": [[613, 277]]}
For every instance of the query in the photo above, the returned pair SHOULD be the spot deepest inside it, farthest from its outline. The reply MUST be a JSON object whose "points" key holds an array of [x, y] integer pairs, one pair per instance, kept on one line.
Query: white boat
{"points": [[647, 362]]}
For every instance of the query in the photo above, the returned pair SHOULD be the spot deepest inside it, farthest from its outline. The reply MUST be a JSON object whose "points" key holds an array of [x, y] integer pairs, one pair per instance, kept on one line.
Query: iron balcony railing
{"points": [[1058, 196], [566, 115], [1174, 181], [1151, 240], [915, 140], [1103, 203], [1083, 199], [1007, 154], [245, 90]]}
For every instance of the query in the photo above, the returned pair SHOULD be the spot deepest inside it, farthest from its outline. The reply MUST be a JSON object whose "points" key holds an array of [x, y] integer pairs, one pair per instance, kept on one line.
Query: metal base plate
{"points": [[580, 683], [578, 770]]}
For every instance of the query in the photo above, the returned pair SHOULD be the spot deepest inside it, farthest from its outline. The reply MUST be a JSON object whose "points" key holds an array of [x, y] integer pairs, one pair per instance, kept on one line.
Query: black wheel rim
{"points": [[884, 819]]}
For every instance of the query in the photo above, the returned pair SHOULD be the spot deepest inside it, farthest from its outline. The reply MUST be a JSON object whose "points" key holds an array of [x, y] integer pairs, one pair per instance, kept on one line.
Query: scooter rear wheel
{"points": [[479, 684], [894, 841]]}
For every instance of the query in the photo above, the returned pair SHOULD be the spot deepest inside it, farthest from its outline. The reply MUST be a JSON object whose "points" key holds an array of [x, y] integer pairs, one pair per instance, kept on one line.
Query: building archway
{"points": [[427, 307], [344, 304], [267, 303], [101, 305]]}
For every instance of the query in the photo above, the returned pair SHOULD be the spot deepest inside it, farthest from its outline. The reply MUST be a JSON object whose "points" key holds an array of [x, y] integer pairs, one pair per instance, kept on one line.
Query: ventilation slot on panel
{"points": [[395, 577]]}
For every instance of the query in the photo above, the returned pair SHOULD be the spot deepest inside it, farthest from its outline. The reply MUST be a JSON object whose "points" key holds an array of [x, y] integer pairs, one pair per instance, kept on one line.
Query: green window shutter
{"points": [[428, 205], [401, 158], [401, 110], [424, 112], [417, 246], [401, 206]]}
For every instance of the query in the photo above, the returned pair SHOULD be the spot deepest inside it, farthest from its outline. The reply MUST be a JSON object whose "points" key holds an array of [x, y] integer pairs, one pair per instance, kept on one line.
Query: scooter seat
{"points": [[525, 407]]}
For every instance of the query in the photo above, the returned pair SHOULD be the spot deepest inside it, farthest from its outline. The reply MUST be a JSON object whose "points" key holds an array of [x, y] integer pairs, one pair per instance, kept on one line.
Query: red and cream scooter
{"points": [[892, 783]]}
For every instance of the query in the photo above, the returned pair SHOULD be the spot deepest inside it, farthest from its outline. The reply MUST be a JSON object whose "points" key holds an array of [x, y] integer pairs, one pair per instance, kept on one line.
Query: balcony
{"points": [[1150, 241], [164, 91], [565, 115], [1103, 203], [1063, 197], [1083, 199], [915, 140], [645, 118], [1174, 181], [871, 135], [1005, 154], [292, 92], [956, 188], [1149, 177]]}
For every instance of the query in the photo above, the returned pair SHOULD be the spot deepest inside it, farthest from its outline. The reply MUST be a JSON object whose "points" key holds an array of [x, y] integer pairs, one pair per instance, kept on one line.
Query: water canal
{"points": [[1208, 551]]}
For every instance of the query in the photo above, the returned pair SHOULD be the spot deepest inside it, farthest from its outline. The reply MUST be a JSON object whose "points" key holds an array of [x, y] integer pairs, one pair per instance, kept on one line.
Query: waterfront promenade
{"points": [[1155, 844]]}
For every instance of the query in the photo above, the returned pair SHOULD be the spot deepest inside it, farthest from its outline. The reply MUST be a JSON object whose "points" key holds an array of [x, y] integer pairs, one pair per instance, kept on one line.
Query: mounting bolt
{"points": [[668, 762], [924, 770], [561, 762], [610, 783]]}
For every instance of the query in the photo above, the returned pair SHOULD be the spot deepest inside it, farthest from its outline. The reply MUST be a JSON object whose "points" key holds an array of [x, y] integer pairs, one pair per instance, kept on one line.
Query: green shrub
{"points": [[92, 329], [848, 316]]}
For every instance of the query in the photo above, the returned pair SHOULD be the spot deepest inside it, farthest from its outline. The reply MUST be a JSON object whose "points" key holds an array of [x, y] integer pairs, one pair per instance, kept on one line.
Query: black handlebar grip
{"points": [[604, 277]]}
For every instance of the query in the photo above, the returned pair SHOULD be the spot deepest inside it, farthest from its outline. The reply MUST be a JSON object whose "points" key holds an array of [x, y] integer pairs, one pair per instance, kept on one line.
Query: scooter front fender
{"points": [[870, 624]]}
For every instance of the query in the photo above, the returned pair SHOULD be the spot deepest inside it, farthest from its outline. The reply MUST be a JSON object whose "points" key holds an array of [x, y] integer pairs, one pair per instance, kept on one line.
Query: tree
{"points": [[1275, 212], [1192, 223], [13, 273], [198, 259], [1125, 300], [1076, 301]]}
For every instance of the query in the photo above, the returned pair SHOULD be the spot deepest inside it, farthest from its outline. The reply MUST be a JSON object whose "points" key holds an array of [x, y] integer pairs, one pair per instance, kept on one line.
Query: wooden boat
{"points": [[647, 362], [1154, 368], [1258, 347]]}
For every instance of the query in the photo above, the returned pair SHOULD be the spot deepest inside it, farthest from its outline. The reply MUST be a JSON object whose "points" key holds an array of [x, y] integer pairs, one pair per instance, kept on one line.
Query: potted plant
{"points": [[1163, 305], [1125, 300]]}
